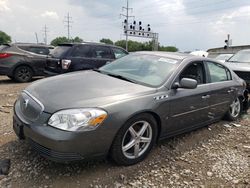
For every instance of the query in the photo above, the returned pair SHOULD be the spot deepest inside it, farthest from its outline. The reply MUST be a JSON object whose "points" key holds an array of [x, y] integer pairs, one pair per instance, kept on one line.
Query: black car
{"points": [[81, 56], [22, 61]]}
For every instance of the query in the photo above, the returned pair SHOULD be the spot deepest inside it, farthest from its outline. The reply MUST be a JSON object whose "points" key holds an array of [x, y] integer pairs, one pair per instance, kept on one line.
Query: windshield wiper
{"points": [[121, 77], [114, 75]]}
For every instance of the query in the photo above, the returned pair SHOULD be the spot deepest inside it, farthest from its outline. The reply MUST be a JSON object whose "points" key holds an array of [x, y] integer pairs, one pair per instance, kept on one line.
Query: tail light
{"points": [[65, 63], [4, 55]]}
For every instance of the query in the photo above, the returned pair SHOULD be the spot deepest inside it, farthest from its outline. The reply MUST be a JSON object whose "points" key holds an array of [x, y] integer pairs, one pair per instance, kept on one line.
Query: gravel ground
{"points": [[214, 156]]}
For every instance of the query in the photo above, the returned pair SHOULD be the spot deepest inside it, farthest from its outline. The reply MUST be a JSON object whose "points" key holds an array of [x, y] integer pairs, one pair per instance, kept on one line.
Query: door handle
{"points": [[205, 97]]}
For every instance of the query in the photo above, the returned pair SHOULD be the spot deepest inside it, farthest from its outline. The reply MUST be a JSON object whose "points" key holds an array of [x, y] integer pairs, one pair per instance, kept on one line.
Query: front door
{"points": [[189, 107]]}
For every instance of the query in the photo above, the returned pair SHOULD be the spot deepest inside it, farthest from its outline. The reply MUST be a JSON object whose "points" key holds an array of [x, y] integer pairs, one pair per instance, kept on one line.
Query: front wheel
{"points": [[134, 140], [235, 110]]}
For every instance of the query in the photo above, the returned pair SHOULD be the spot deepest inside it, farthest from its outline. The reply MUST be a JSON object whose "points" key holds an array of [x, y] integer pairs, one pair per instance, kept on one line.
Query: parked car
{"points": [[223, 57], [83, 56], [240, 64], [200, 53], [124, 107], [22, 61]]}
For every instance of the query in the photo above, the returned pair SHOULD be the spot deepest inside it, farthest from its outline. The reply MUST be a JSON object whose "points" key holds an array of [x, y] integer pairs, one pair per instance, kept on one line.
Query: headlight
{"points": [[78, 119]]}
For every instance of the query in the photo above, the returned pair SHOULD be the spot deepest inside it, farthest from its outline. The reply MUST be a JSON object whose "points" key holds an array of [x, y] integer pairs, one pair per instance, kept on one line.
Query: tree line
{"points": [[132, 45]]}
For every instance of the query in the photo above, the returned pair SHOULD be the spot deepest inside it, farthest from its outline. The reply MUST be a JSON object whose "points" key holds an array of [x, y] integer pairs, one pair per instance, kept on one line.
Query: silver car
{"points": [[125, 107], [240, 64]]}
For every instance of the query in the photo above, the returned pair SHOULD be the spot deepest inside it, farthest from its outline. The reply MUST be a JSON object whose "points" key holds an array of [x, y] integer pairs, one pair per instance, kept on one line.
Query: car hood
{"points": [[84, 89], [245, 67]]}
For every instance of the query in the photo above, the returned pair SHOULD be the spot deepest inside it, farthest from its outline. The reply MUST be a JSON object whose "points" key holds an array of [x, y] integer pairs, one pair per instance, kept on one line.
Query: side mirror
{"points": [[186, 83], [108, 62]]}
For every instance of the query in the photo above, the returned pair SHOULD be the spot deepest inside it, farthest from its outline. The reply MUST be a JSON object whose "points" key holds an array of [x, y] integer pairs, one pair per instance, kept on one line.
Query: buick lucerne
{"points": [[123, 108]]}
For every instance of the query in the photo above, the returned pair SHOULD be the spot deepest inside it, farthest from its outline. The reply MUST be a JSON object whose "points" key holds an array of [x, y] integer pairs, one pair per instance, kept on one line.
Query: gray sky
{"points": [[186, 24]]}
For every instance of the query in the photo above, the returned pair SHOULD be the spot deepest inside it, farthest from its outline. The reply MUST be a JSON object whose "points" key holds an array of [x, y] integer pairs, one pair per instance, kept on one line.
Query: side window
{"points": [[119, 52], [81, 51], [218, 73], [39, 50], [102, 52], [195, 71]]}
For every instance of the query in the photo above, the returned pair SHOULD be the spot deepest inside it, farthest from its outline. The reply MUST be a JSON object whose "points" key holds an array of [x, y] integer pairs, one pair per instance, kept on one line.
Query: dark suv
{"points": [[21, 62], [73, 57]]}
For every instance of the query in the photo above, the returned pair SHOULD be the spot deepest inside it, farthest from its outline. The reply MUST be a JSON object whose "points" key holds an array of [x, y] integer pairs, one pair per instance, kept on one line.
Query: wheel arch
{"points": [[154, 115], [19, 65]]}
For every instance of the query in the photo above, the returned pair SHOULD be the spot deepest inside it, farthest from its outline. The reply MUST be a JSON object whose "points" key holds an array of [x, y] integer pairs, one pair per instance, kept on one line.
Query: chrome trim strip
{"points": [[35, 99], [191, 111], [188, 112]]}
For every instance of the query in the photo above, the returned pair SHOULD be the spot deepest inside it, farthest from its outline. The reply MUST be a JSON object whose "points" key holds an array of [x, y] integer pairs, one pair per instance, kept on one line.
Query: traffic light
{"points": [[227, 44]]}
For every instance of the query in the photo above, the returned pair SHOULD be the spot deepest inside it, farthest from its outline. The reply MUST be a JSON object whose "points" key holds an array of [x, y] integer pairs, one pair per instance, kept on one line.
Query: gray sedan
{"points": [[125, 107]]}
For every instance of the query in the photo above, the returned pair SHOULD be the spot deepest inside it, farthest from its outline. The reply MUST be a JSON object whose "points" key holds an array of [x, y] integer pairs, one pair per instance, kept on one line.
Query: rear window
{"points": [[2, 47], [59, 51]]}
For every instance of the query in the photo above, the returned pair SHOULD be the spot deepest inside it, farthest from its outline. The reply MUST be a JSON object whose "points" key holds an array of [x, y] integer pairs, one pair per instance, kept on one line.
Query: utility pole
{"points": [[68, 21], [45, 31], [126, 21], [36, 38]]}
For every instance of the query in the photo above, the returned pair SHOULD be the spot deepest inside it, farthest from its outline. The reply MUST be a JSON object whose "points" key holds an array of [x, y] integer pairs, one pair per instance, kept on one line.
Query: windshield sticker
{"points": [[167, 60]]}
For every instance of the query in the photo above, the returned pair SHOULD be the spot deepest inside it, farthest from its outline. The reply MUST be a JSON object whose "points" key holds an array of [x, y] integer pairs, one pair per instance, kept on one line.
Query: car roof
{"points": [[90, 43], [32, 44], [173, 55]]}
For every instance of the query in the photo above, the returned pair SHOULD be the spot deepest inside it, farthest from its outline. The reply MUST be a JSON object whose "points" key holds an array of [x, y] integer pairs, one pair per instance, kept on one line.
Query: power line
{"points": [[68, 21]]}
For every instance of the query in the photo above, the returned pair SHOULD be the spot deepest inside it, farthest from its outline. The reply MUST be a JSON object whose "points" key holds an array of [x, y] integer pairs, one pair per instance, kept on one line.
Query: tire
{"points": [[128, 147], [234, 110], [23, 74]]}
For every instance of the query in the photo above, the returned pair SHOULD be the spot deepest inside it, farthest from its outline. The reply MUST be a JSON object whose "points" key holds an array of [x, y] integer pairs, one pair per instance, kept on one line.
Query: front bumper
{"points": [[62, 146]]}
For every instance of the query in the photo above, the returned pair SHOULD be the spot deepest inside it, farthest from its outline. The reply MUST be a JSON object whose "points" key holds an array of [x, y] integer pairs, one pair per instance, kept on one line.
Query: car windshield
{"points": [[59, 51], [241, 56], [223, 56], [144, 69]]}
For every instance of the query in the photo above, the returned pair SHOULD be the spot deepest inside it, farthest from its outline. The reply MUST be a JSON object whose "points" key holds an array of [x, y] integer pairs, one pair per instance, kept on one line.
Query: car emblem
{"points": [[26, 101]]}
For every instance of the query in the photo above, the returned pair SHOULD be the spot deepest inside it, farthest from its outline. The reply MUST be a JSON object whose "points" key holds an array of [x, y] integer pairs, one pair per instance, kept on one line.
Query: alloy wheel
{"points": [[235, 108], [137, 139]]}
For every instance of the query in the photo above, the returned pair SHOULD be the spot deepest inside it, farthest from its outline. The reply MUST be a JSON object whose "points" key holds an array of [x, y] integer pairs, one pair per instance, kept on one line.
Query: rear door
{"points": [[37, 58], [102, 55], [223, 89]]}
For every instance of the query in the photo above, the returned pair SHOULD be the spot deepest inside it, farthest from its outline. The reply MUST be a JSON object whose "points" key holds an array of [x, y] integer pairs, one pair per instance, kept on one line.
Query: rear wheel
{"points": [[134, 140], [235, 110], [23, 74]]}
